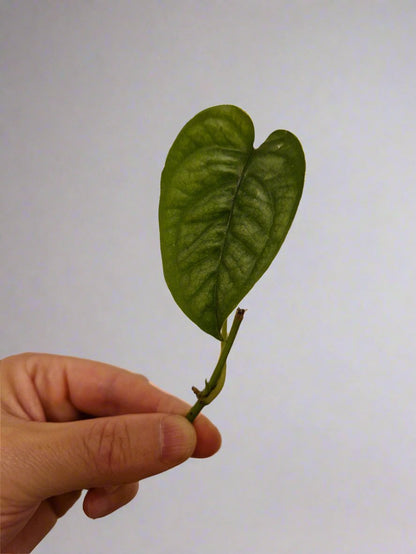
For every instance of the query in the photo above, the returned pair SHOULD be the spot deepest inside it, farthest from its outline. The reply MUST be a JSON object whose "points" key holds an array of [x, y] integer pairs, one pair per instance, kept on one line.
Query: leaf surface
{"points": [[225, 209]]}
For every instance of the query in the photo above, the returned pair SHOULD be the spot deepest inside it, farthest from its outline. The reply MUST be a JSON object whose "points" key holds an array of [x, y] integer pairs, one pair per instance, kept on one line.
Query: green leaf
{"points": [[225, 209]]}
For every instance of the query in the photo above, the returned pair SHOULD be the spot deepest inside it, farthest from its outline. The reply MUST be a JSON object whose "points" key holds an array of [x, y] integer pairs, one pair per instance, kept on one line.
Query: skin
{"points": [[69, 424]]}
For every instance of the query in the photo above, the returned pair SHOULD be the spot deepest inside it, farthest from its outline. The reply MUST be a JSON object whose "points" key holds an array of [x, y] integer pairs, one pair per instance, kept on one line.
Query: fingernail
{"points": [[178, 439]]}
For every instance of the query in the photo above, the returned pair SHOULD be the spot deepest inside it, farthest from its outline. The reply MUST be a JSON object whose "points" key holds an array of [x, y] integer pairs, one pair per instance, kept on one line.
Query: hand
{"points": [[69, 424]]}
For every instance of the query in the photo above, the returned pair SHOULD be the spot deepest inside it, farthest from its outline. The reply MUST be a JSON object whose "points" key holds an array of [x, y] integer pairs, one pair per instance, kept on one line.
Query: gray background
{"points": [[318, 412]]}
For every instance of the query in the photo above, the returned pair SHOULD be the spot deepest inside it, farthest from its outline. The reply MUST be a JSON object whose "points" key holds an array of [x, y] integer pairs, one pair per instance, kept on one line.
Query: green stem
{"points": [[214, 385]]}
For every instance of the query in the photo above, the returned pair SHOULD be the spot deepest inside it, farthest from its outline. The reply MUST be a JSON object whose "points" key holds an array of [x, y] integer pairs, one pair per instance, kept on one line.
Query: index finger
{"points": [[68, 386]]}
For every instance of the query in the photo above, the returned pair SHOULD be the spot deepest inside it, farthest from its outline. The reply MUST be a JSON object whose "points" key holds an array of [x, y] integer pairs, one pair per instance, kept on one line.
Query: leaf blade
{"points": [[224, 210]]}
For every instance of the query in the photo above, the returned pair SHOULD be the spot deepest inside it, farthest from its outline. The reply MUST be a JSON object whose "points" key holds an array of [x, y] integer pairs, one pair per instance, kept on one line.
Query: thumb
{"points": [[111, 450]]}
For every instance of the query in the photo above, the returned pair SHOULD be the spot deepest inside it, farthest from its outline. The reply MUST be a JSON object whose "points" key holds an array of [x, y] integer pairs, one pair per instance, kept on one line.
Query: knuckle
{"points": [[108, 446]]}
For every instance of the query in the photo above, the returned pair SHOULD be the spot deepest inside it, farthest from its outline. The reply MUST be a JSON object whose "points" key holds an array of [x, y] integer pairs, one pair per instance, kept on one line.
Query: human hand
{"points": [[69, 424]]}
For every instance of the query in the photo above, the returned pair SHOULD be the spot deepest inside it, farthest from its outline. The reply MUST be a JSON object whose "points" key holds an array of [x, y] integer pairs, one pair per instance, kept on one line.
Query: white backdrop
{"points": [[318, 412]]}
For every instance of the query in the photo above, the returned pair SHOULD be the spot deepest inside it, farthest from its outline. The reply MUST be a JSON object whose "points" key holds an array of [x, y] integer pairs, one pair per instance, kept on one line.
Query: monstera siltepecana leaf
{"points": [[225, 210]]}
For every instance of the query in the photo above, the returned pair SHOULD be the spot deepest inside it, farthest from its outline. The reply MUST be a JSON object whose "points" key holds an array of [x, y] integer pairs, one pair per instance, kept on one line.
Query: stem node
{"points": [[214, 385]]}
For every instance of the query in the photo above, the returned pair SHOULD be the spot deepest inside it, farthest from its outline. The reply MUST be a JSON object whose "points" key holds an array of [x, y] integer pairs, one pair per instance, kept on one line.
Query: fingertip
{"points": [[209, 438], [102, 501], [178, 439]]}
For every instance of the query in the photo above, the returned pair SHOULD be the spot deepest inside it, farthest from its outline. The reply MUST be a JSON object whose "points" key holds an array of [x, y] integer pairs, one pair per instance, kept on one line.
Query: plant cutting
{"points": [[225, 209]]}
